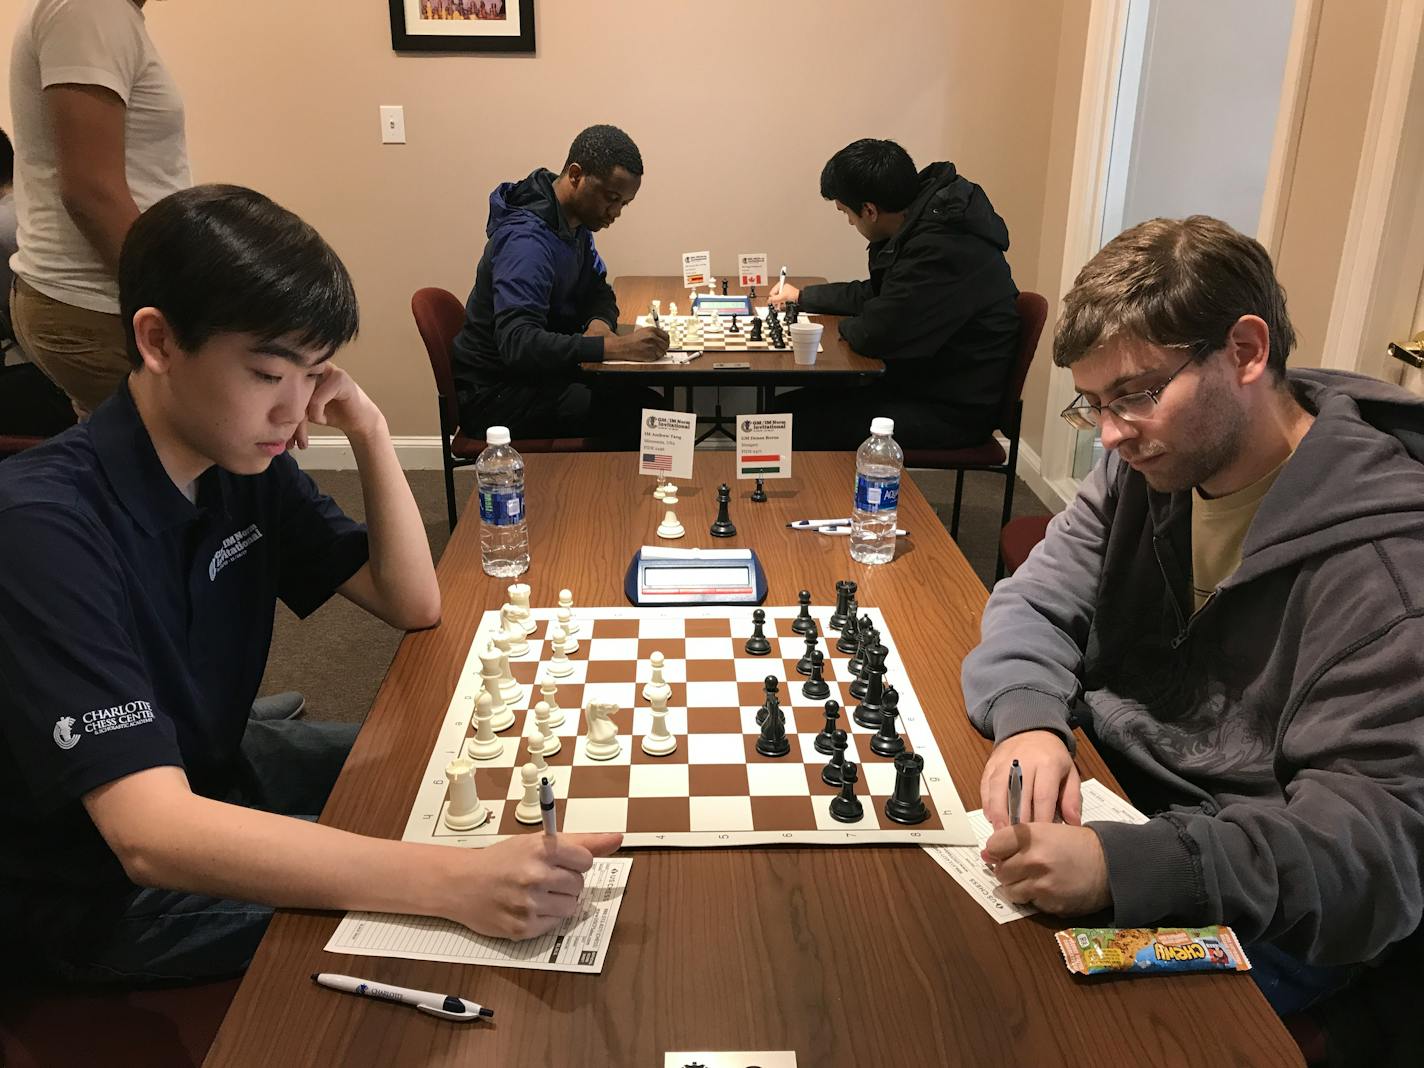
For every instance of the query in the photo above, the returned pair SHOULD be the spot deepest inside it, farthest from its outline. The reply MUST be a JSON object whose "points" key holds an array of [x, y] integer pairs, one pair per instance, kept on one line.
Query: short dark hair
{"points": [[7, 160], [1175, 283], [599, 149], [218, 259], [871, 172]]}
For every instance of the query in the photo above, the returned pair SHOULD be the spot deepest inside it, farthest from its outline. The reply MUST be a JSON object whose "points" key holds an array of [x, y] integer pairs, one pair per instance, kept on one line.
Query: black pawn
{"points": [[850, 630], [759, 494], [847, 807], [807, 662], [887, 741], [816, 688], [772, 685], [723, 528], [773, 741], [870, 711], [823, 740], [803, 623], [757, 644], [736, 328], [831, 773], [905, 804], [845, 590]]}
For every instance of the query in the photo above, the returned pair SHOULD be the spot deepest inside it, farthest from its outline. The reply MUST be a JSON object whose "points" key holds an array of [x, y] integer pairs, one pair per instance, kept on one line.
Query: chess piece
{"points": [[755, 334], [887, 741], [501, 718], [771, 685], [857, 659], [659, 740], [724, 287], [543, 723], [850, 630], [807, 661], [816, 688], [656, 684], [870, 641], [670, 527], [847, 807], [485, 745], [845, 590], [793, 313], [870, 711], [722, 527], [831, 773], [513, 631], [549, 691], [463, 810], [509, 689], [519, 597], [536, 757], [757, 644], [736, 328], [803, 623], [527, 811], [905, 804], [759, 494], [824, 739], [773, 741], [566, 600], [672, 309], [560, 666], [566, 624], [659, 492], [602, 733]]}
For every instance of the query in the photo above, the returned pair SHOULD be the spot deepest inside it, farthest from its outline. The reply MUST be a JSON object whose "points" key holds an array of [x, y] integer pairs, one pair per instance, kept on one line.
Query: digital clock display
{"points": [[696, 577]]}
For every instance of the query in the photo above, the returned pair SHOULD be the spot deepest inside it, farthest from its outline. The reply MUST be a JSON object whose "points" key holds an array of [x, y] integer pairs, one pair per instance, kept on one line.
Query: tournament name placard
{"points": [[696, 268], [666, 446], [751, 269], [764, 446]]}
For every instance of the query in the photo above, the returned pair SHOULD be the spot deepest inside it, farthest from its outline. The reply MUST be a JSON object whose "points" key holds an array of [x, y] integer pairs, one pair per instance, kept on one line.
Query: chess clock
{"points": [[659, 576]]}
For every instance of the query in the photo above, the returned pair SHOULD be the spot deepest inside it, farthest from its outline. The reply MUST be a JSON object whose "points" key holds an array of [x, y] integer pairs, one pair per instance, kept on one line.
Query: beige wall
{"points": [[283, 96]]}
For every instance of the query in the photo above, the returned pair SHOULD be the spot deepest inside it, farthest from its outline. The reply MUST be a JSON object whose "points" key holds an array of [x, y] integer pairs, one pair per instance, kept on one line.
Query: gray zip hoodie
{"points": [[1278, 735]]}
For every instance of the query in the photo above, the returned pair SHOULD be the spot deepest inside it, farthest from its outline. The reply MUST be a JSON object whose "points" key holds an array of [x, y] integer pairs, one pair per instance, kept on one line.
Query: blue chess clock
{"points": [[658, 576]]}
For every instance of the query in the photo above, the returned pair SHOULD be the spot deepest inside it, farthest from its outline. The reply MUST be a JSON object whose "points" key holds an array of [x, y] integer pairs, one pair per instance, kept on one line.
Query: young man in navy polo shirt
{"points": [[141, 556]]}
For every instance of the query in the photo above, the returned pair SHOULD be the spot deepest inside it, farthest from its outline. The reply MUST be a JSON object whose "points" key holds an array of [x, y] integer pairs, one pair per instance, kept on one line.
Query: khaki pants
{"points": [[83, 352]]}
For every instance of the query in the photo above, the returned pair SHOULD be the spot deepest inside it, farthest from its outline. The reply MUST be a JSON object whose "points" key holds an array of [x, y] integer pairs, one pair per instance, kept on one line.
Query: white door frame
{"points": [[1087, 191]]}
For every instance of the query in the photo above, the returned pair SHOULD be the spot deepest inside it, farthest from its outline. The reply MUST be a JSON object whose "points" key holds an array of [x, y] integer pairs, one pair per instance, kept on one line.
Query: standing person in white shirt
{"points": [[99, 137]]}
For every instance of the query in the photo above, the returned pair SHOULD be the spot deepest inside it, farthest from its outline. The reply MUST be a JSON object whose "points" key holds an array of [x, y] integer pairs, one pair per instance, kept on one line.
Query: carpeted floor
{"points": [[339, 655]]}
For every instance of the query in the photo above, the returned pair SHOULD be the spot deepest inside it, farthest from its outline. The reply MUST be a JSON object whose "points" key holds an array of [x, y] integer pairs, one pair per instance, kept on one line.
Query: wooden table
{"points": [[865, 956]]}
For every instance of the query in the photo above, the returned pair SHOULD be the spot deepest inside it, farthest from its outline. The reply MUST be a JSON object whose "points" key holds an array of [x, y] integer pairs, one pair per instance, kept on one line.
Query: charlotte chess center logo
{"points": [[64, 735]]}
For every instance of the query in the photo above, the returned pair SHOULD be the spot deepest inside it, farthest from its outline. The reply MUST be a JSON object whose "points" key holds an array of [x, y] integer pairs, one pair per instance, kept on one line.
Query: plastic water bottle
{"points": [[504, 534], [878, 463]]}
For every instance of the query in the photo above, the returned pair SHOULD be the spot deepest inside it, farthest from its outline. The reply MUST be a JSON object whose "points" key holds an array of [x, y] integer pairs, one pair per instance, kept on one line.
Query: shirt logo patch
{"points": [[234, 547], [64, 735]]}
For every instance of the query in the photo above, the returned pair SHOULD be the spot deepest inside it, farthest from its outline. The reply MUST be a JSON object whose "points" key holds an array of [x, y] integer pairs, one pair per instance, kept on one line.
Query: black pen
{"points": [[1015, 791]]}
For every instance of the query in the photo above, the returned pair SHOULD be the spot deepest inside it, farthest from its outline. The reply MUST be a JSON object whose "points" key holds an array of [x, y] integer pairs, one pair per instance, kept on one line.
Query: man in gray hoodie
{"points": [[1232, 609]]}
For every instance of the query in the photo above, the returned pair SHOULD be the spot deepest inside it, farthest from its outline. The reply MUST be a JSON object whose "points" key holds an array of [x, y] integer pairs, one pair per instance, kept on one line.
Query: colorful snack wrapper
{"points": [[1095, 950]]}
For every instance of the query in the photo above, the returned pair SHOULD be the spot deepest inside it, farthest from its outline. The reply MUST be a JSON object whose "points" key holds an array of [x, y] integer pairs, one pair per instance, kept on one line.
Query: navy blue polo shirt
{"points": [[134, 630]]}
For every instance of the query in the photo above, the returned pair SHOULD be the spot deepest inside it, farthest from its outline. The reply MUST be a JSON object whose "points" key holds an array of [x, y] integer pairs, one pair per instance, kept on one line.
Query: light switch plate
{"points": [[392, 124]]}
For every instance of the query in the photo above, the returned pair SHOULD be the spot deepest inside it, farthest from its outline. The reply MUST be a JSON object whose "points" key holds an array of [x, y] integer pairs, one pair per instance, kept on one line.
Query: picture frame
{"points": [[490, 26]]}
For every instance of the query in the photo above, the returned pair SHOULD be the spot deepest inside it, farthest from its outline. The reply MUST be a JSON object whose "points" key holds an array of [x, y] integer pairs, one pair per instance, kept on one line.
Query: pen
{"points": [[810, 524], [546, 808], [846, 530], [782, 284], [1015, 791], [446, 1006]]}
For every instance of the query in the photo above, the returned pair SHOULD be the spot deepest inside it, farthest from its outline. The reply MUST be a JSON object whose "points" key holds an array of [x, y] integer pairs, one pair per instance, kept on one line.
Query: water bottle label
{"points": [[501, 508], [876, 495]]}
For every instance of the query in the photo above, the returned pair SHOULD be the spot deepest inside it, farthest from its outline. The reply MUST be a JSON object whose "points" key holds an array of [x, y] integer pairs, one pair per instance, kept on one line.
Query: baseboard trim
{"points": [[332, 452], [1056, 494]]}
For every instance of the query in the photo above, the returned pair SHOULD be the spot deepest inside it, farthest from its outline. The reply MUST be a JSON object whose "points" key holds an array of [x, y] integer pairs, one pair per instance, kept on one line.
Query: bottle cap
{"points": [[882, 425], [497, 435]]}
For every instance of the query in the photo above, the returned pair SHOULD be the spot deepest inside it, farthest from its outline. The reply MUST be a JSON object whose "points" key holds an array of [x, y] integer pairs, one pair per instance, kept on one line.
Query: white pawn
{"points": [[672, 308], [566, 600], [571, 643], [509, 689], [527, 811], [549, 691], [519, 597], [560, 666], [659, 741], [602, 743], [657, 684], [543, 720], [670, 528], [485, 745], [464, 811], [514, 631], [501, 718], [536, 757]]}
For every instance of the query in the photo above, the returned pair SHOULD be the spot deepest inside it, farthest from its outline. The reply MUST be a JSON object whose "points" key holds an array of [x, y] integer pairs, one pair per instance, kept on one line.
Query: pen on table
{"points": [[1015, 791], [845, 530], [546, 809], [810, 524], [446, 1006]]}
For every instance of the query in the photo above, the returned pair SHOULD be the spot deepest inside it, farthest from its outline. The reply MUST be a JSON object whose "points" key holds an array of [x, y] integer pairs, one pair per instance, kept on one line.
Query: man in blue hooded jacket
{"points": [[542, 304]]}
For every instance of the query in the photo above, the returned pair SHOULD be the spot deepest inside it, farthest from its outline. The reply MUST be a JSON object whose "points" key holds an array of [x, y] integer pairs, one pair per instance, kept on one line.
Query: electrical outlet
{"points": [[392, 124]]}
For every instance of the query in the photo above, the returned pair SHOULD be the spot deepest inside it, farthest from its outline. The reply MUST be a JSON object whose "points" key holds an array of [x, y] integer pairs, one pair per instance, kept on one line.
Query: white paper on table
{"points": [[579, 944], [744, 1059], [967, 868], [676, 356]]}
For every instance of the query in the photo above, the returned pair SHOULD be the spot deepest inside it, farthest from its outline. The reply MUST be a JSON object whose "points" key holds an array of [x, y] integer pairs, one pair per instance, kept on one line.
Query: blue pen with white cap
{"points": [[446, 1006]]}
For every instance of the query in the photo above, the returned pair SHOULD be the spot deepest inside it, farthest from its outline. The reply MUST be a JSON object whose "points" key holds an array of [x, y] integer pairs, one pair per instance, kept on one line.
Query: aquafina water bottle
{"points": [[878, 463], [504, 534]]}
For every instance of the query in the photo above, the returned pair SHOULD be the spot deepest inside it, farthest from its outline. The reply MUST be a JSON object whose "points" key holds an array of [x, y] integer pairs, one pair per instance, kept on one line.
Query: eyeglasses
{"points": [[1130, 407]]}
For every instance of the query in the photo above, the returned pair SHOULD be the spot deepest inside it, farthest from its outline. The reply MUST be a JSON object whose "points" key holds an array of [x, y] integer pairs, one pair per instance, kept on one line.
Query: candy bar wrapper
{"points": [[1096, 950]]}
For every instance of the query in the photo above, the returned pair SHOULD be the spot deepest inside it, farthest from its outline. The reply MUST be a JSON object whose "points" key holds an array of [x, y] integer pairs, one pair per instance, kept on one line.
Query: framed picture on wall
{"points": [[462, 25]]}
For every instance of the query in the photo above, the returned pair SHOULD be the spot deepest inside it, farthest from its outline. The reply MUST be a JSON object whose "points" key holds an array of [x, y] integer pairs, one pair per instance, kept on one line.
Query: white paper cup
{"points": [[805, 341]]}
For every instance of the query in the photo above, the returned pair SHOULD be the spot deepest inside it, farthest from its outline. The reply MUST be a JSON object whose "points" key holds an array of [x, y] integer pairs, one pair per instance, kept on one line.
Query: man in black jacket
{"points": [[938, 307], [542, 305]]}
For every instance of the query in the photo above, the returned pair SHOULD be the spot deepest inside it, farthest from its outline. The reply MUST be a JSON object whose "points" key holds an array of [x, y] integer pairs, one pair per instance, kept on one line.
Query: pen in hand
{"points": [[1015, 791], [546, 810]]}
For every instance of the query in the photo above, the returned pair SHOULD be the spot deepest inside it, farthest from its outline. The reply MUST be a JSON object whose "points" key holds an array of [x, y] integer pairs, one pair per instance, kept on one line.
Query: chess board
{"points": [[715, 789], [713, 334]]}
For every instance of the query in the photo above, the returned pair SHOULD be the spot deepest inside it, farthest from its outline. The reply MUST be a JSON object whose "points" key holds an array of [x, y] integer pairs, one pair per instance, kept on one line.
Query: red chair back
{"points": [[1033, 313], [439, 315]]}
